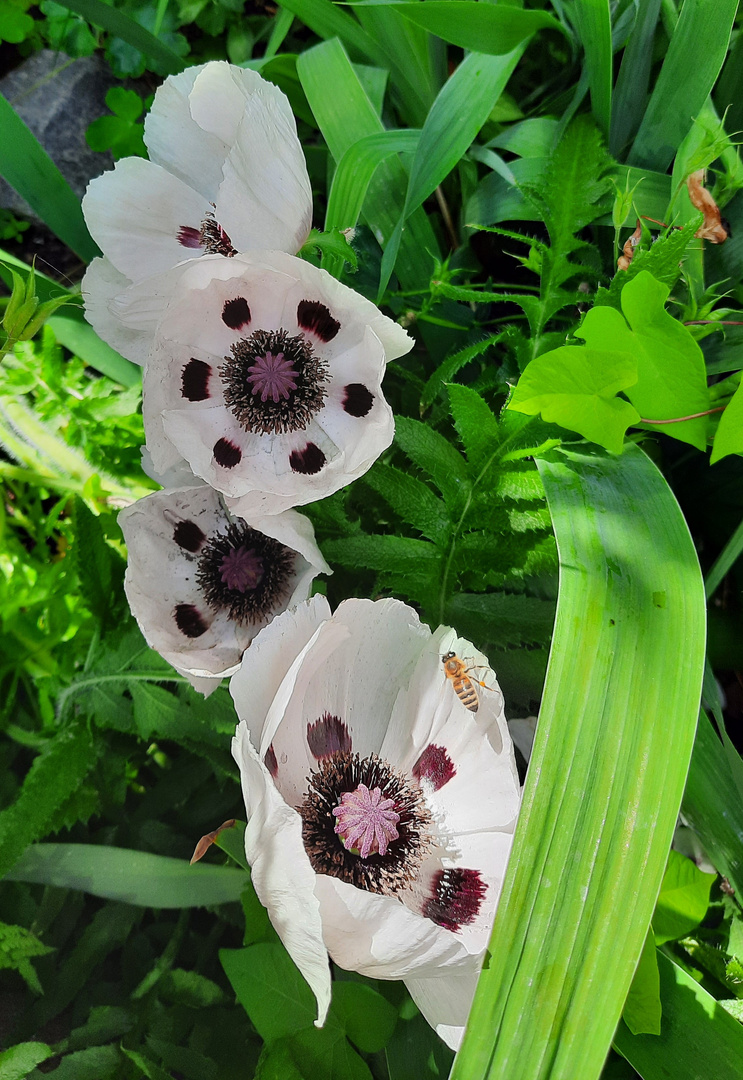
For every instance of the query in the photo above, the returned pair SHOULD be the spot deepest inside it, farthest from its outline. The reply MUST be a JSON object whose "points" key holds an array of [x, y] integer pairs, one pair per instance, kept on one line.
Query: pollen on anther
{"points": [[227, 454], [236, 313]]}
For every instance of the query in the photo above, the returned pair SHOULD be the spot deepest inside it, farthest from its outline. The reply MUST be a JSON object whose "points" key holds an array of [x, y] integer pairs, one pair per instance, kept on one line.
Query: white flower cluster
{"points": [[380, 785]]}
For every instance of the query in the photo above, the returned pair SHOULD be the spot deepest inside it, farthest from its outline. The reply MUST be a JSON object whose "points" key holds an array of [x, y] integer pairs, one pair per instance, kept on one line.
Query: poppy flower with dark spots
{"points": [[380, 809], [219, 180], [265, 378], [201, 582]]}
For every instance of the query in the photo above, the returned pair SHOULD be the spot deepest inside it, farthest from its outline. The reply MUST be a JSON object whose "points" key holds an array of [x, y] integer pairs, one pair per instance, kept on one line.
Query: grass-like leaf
{"points": [[27, 167], [690, 68], [121, 25], [133, 877], [616, 730]]}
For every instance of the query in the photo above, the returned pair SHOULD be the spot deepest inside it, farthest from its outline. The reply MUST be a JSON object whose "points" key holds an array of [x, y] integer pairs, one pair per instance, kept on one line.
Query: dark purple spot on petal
{"points": [[189, 536], [270, 761], [434, 765], [188, 237], [195, 380], [236, 313], [227, 454], [189, 621], [328, 735], [357, 399], [455, 897], [308, 461], [315, 317]]}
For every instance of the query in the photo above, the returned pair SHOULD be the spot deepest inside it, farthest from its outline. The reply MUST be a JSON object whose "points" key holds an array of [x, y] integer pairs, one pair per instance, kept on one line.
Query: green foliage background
{"points": [[489, 192]]}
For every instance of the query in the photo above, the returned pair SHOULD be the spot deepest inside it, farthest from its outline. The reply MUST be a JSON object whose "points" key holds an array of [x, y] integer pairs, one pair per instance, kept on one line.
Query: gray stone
{"points": [[58, 98]]}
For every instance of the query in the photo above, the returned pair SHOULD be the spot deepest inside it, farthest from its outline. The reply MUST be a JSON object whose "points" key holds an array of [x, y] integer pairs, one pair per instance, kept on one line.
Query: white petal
{"points": [[161, 575], [523, 730], [345, 303], [293, 530], [179, 475], [265, 198], [135, 213], [177, 142], [378, 936], [445, 1002], [280, 870], [100, 286], [264, 667]]}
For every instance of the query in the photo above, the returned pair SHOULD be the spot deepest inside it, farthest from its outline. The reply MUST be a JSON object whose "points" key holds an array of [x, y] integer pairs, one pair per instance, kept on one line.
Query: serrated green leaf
{"points": [[451, 365], [642, 1010], [99, 568], [17, 948], [436, 457], [412, 500], [662, 260], [476, 426], [683, 899], [502, 619], [190, 988], [53, 776], [386, 553], [93, 1063], [18, 1061]]}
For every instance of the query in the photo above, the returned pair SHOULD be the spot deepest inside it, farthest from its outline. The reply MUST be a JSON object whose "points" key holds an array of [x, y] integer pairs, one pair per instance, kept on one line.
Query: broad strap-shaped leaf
{"points": [[480, 27], [605, 780], [691, 66], [134, 877], [120, 24], [593, 22]]}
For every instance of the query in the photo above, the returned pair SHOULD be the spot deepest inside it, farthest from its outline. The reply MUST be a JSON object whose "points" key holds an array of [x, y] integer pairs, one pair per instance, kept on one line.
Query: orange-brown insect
{"points": [[458, 673]]}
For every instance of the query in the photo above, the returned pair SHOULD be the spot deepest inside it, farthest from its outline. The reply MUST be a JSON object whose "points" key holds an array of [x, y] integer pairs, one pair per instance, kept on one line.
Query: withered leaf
{"points": [[713, 228], [628, 251], [206, 841]]}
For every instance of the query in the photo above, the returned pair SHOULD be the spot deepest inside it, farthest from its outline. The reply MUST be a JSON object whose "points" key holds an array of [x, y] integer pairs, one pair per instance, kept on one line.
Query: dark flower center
{"points": [[274, 383], [364, 823], [244, 572]]}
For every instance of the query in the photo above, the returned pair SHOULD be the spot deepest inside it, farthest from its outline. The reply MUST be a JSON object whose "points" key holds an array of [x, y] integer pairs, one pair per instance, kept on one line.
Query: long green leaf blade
{"points": [[134, 877], [606, 776], [476, 26], [345, 114], [593, 19], [690, 69], [27, 167], [631, 90], [122, 25]]}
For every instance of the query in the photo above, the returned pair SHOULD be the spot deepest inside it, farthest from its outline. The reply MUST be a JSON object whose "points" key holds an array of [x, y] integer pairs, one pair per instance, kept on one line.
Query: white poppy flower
{"points": [[226, 173], [201, 583], [265, 377], [381, 799]]}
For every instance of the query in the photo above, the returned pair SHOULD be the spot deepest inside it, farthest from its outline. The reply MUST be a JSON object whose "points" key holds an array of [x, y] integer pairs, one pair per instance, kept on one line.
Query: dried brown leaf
{"points": [[206, 841], [628, 251], [713, 228]]}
